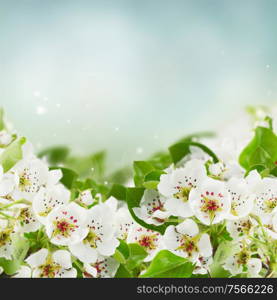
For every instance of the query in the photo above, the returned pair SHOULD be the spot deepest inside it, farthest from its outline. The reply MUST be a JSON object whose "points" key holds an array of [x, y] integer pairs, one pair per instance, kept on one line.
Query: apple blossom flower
{"points": [[151, 208], [241, 261], [32, 174], [241, 198], [150, 240], [100, 238], [177, 186], [49, 198], [26, 219], [210, 202], [65, 225], [202, 265], [185, 240], [104, 267], [123, 222], [45, 264], [242, 228], [85, 198], [265, 203]]}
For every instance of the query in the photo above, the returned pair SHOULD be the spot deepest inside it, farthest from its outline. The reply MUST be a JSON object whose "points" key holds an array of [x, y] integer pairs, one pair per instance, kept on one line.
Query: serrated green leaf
{"points": [[168, 265]]}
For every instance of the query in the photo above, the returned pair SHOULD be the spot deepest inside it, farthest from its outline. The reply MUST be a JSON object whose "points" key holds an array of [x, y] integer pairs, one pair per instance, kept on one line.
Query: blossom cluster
{"points": [[205, 208]]}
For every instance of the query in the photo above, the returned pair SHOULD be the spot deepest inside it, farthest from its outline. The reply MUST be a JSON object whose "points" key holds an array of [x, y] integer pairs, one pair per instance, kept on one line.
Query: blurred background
{"points": [[132, 76]]}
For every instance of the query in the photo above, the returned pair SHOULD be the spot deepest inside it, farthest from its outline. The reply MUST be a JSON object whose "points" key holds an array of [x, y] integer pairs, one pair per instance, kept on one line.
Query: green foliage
{"points": [[224, 250], [168, 265], [37, 240], [120, 176], [261, 153], [180, 150], [122, 272], [118, 191], [136, 255], [130, 257], [12, 154], [160, 160]]}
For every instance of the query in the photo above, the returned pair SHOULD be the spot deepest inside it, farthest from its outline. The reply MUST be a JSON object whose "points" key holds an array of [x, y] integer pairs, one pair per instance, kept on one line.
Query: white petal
{"points": [[23, 272], [63, 258], [108, 247], [37, 259], [178, 208], [54, 177], [188, 227], [84, 252], [254, 266], [205, 247], [90, 270]]}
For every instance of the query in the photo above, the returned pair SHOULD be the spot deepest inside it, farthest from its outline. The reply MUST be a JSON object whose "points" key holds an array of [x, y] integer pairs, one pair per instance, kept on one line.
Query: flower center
{"points": [[92, 239], [210, 206], [49, 269], [24, 181], [183, 193], [242, 257], [64, 228], [45, 212], [148, 241], [188, 245], [5, 237], [233, 209], [270, 204]]}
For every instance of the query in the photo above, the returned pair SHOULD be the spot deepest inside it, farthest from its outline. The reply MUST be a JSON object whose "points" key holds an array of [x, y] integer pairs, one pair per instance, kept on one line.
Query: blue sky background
{"points": [[133, 76]]}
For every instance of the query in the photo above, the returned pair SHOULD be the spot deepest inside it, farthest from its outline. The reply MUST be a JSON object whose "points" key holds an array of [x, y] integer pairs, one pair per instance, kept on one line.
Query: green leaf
{"points": [[122, 252], [12, 154], [121, 176], [133, 197], [141, 168], [224, 250], [20, 248], [152, 179], [180, 150], [160, 160], [118, 191], [136, 256], [55, 155], [168, 265], [69, 176], [92, 166], [261, 152], [122, 272]]}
